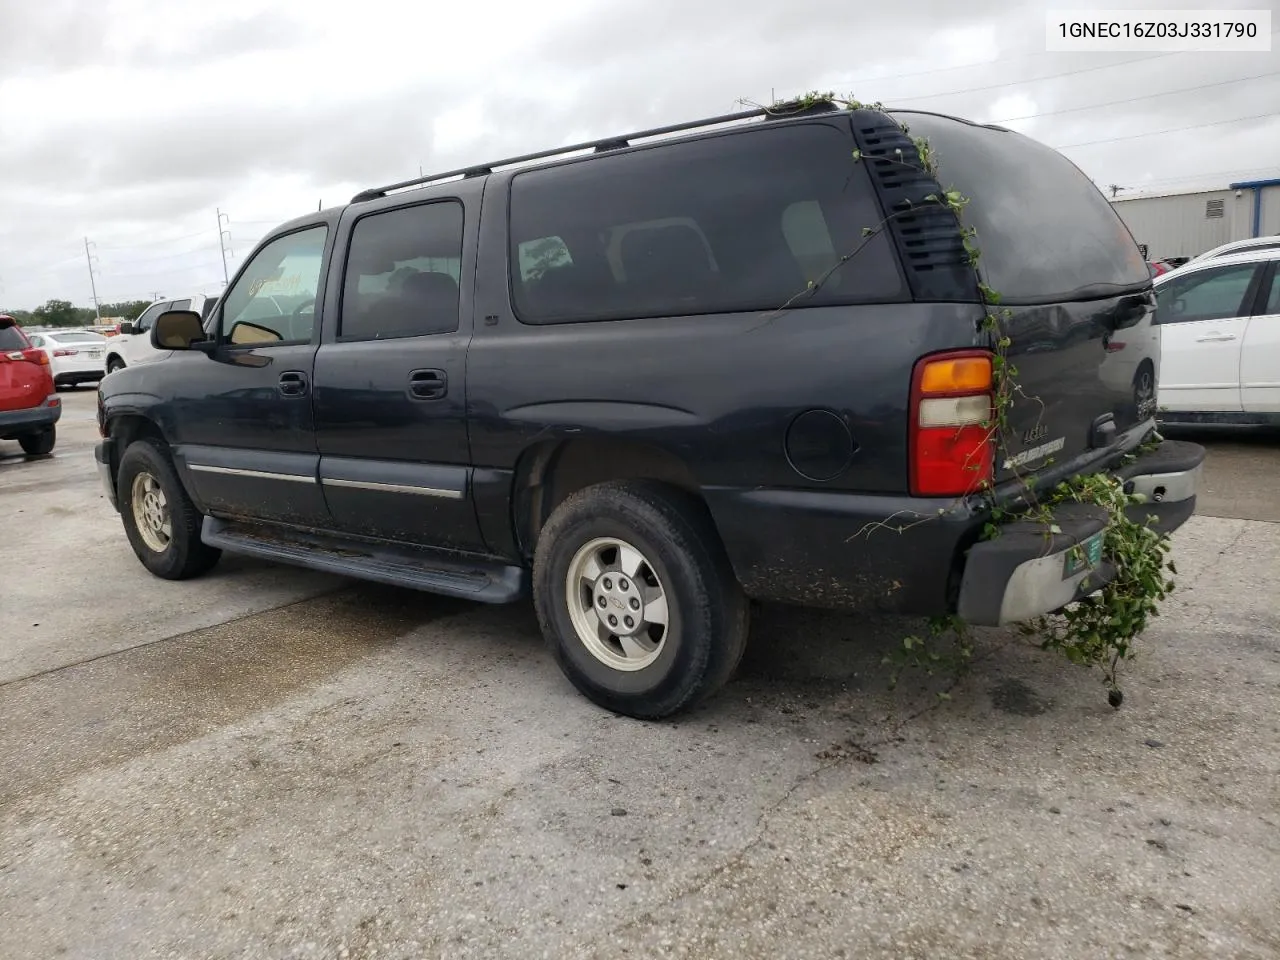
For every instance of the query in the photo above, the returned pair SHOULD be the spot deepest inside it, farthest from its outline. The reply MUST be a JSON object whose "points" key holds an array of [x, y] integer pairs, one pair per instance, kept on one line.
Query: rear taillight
{"points": [[1114, 346], [38, 357], [65, 352], [952, 437]]}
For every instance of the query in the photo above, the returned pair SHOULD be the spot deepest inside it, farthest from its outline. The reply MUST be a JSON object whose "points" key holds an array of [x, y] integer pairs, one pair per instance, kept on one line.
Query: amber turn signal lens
{"points": [[957, 375]]}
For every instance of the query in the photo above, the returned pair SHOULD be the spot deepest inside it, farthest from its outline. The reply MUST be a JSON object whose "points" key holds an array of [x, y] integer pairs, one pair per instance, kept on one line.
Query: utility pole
{"points": [[224, 240], [93, 286]]}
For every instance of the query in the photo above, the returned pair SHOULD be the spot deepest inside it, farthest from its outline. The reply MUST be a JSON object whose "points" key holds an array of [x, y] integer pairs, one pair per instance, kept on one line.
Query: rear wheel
{"points": [[39, 443], [160, 520], [637, 599]]}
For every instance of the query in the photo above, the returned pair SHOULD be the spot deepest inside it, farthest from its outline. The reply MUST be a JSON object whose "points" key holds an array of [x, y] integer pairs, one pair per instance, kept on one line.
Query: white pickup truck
{"points": [[133, 345]]}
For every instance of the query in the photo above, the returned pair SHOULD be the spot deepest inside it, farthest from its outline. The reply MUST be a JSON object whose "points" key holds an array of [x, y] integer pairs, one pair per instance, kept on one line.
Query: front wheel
{"points": [[114, 364], [40, 443], [160, 520], [637, 599]]}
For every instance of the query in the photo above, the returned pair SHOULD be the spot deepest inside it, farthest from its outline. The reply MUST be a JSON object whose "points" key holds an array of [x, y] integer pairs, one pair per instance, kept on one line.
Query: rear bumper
{"points": [[923, 557], [16, 422], [85, 375], [1027, 571], [103, 457]]}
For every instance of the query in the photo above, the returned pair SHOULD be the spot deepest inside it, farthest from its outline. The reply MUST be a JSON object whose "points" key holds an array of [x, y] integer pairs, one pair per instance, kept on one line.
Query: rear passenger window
{"points": [[736, 222], [403, 268], [1213, 294]]}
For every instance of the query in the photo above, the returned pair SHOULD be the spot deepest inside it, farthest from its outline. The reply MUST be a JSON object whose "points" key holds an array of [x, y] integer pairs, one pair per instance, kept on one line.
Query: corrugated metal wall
{"points": [[1270, 211], [1177, 225]]}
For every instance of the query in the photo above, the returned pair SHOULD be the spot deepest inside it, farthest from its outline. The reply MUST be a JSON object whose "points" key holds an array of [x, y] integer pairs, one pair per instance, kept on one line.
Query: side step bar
{"points": [[401, 567]]}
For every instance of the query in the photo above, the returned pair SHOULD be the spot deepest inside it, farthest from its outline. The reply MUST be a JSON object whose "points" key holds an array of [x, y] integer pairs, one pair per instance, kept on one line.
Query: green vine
{"points": [[1096, 631]]}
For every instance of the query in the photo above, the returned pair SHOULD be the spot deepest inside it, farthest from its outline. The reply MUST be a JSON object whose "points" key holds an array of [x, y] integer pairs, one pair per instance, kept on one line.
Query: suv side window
{"points": [[274, 298], [180, 305], [1213, 294], [144, 323], [736, 222], [402, 273]]}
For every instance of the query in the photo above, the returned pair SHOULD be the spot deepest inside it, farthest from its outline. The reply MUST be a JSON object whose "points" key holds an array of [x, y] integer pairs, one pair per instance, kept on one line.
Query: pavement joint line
{"points": [[177, 636]]}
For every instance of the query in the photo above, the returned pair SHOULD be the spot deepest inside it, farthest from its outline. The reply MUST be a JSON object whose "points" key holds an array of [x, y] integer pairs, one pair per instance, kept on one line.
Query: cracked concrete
{"points": [[328, 769]]}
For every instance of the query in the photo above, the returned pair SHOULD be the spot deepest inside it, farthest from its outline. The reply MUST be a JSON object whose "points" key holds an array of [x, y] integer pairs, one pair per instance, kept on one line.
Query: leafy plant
{"points": [[1098, 630]]}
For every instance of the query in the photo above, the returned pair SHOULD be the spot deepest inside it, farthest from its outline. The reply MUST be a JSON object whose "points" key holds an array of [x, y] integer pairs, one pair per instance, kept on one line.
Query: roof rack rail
{"points": [[598, 146]]}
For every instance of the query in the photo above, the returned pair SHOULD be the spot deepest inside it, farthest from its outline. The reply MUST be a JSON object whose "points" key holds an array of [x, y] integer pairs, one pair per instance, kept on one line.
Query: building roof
{"points": [[1171, 193]]}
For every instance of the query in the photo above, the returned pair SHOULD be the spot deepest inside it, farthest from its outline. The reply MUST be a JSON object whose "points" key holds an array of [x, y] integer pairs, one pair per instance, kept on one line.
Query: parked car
{"points": [[1239, 246], [29, 404], [1219, 323], [650, 382], [75, 356], [133, 343]]}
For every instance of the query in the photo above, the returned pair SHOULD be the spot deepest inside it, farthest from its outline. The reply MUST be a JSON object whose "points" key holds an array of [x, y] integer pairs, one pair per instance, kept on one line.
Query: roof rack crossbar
{"points": [[603, 145]]}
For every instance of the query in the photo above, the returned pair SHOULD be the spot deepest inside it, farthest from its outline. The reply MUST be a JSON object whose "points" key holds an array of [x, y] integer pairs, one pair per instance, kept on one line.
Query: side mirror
{"points": [[126, 326], [177, 330]]}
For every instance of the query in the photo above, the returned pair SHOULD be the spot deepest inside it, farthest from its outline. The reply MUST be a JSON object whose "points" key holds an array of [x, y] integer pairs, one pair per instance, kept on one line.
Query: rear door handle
{"points": [[1216, 338], [428, 384], [293, 383]]}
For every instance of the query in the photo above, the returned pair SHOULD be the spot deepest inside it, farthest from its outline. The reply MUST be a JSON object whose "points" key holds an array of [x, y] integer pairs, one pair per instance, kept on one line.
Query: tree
{"points": [[129, 309], [60, 313]]}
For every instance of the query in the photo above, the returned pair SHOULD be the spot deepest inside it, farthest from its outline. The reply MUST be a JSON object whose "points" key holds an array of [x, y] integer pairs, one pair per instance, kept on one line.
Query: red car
{"points": [[29, 405]]}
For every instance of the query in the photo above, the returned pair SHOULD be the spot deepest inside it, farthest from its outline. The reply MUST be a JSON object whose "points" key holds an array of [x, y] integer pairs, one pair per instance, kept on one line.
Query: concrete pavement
{"points": [[268, 763]]}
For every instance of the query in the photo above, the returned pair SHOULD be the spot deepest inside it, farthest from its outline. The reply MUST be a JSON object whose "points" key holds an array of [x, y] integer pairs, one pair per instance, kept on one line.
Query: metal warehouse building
{"points": [[1188, 224]]}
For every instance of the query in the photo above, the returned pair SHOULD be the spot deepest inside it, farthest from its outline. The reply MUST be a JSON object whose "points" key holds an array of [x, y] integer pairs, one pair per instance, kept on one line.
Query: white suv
{"points": [[133, 345]]}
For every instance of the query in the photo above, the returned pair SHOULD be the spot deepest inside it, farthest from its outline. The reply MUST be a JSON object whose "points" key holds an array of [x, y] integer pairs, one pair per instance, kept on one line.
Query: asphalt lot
{"points": [[272, 763]]}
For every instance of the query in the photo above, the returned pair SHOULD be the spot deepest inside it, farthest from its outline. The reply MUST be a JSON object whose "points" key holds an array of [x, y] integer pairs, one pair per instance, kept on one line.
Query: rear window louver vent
{"points": [[1213, 209], [927, 235]]}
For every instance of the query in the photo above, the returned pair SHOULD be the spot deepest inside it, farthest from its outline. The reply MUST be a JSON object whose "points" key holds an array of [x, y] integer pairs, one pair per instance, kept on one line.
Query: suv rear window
{"points": [[736, 222], [11, 338], [1046, 233]]}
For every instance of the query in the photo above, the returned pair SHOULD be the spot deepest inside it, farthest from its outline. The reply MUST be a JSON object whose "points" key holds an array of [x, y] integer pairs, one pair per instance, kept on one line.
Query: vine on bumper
{"points": [[1098, 630]]}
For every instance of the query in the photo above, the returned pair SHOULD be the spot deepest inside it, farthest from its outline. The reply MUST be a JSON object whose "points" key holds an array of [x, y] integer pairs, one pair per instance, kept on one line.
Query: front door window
{"points": [[274, 299]]}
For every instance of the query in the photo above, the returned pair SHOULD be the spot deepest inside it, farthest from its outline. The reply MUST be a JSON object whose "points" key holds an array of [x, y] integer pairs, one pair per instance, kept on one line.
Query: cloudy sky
{"points": [[131, 122]]}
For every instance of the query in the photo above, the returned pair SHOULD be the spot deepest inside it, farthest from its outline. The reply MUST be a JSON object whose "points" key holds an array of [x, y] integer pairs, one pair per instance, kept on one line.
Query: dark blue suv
{"points": [[650, 378]]}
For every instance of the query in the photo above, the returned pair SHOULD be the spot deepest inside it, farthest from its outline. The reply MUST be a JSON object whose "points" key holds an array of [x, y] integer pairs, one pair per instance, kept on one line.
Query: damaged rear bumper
{"points": [[1029, 571]]}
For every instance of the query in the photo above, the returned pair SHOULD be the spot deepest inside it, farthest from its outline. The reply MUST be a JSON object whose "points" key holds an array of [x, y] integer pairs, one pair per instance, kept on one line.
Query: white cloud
{"points": [[131, 121]]}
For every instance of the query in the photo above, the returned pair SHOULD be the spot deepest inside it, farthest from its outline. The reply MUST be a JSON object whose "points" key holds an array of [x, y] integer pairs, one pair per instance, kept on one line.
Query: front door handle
{"points": [[1216, 338], [293, 383], [428, 384]]}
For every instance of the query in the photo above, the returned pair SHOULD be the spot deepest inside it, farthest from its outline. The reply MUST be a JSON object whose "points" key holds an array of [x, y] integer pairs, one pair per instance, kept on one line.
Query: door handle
{"points": [[1216, 338], [428, 384], [292, 384]]}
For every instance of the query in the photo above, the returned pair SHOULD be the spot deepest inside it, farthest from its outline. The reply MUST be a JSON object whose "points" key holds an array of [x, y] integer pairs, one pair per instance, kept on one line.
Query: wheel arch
{"points": [[548, 473]]}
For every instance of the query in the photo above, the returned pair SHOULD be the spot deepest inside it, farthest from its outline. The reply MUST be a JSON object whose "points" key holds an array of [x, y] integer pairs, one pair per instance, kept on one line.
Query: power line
{"points": [[1156, 133], [1150, 96], [1048, 76], [165, 256], [154, 243], [1054, 76]]}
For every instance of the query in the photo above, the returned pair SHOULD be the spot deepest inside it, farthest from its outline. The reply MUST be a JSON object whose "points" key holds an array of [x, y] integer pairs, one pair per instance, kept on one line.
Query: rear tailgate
{"points": [[1075, 292], [24, 383]]}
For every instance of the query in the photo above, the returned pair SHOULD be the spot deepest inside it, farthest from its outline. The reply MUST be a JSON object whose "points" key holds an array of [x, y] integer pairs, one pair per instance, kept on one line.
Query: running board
{"points": [[486, 582]]}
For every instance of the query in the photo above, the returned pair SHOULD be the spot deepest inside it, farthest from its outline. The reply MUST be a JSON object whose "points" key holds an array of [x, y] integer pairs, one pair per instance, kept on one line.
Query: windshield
{"points": [[76, 337]]}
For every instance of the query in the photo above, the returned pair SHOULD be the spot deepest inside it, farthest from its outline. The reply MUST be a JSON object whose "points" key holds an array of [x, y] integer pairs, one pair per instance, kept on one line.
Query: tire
{"points": [[663, 668], [172, 552], [40, 443], [114, 364]]}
